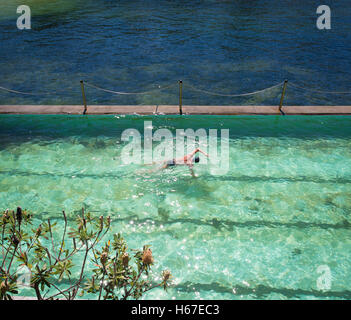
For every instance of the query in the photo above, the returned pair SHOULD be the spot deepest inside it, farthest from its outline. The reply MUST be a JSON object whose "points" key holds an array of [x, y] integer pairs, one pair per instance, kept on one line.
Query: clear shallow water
{"points": [[260, 231], [221, 46]]}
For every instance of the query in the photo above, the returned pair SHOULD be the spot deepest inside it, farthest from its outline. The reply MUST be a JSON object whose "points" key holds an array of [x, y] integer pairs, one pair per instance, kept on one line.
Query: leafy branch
{"points": [[117, 274]]}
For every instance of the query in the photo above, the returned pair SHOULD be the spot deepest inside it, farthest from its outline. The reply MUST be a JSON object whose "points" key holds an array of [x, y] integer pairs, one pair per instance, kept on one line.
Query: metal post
{"points": [[180, 96], [282, 97], [83, 94]]}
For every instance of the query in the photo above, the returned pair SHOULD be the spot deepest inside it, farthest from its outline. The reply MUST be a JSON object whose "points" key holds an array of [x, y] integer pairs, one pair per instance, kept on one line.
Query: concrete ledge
{"points": [[174, 110], [41, 109], [231, 110], [120, 109], [167, 110]]}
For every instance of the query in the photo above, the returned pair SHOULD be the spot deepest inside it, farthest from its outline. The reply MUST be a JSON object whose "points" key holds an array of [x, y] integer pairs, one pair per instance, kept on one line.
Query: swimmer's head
{"points": [[197, 159]]}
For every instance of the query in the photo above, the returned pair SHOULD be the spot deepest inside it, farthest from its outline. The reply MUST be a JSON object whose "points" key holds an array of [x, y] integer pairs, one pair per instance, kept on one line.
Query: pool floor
{"points": [[263, 230]]}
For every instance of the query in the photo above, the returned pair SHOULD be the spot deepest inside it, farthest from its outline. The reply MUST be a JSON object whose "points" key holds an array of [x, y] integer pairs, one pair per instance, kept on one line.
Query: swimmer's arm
{"points": [[196, 151], [190, 155], [199, 150]]}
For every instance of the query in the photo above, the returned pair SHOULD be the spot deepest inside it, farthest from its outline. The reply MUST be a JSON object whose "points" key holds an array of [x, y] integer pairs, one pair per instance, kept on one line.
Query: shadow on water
{"points": [[221, 224], [261, 291], [254, 179], [180, 187], [218, 224]]}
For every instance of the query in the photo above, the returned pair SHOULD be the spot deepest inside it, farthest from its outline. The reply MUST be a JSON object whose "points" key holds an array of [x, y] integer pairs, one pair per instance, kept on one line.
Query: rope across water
{"points": [[18, 92], [319, 91], [28, 93], [128, 93], [190, 86], [234, 95]]}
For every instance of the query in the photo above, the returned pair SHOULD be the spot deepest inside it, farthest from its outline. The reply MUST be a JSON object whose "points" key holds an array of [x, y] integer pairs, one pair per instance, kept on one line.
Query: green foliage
{"points": [[117, 274]]}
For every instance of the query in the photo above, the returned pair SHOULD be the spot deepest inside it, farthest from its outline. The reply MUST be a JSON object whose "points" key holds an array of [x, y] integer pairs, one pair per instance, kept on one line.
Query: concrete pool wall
{"points": [[174, 109]]}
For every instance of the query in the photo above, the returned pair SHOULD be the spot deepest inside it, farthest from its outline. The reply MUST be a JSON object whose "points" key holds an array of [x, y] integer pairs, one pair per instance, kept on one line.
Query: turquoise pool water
{"points": [[259, 232]]}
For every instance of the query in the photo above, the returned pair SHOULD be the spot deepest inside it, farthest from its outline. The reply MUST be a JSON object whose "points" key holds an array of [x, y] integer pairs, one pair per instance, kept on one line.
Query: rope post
{"points": [[282, 97], [83, 95], [180, 96]]}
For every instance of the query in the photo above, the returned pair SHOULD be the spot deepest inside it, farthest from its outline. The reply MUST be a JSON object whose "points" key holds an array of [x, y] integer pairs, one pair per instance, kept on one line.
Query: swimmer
{"points": [[188, 160]]}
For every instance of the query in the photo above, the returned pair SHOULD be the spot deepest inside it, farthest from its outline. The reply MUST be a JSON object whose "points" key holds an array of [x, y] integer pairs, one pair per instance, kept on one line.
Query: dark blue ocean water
{"points": [[134, 46]]}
